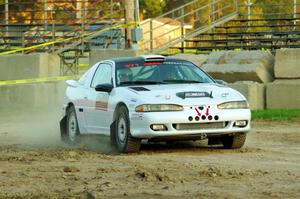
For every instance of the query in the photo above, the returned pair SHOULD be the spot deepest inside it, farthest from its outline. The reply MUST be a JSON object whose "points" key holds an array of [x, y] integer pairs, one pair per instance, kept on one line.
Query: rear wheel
{"points": [[72, 130], [234, 142], [121, 138]]}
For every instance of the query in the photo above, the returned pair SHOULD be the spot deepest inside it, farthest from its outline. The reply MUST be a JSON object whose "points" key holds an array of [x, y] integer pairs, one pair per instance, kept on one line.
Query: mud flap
{"points": [[112, 135], [63, 128]]}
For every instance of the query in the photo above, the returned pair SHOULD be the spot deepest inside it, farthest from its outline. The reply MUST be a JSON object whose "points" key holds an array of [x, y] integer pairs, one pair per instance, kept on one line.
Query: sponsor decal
{"points": [[101, 106], [195, 94], [192, 94], [167, 97], [207, 111], [224, 94], [198, 112], [178, 63], [152, 63], [136, 116], [203, 110], [130, 65]]}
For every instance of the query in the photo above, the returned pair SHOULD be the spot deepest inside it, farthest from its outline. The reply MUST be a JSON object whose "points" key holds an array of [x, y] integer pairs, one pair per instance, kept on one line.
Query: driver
{"points": [[125, 75], [168, 73]]}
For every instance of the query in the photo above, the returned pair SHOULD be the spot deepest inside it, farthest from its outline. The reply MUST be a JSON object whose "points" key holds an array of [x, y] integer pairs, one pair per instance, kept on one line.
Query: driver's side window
{"points": [[103, 75]]}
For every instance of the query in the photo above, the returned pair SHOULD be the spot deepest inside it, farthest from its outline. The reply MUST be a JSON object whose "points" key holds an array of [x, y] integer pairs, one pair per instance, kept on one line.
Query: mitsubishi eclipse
{"points": [[153, 98]]}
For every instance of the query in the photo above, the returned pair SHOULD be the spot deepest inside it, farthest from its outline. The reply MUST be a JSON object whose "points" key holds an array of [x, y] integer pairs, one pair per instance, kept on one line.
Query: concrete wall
{"points": [[233, 66], [32, 95], [97, 55], [19, 66], [239, 72], [254, 92], [287, 63], [199, 59], [283, 94]]}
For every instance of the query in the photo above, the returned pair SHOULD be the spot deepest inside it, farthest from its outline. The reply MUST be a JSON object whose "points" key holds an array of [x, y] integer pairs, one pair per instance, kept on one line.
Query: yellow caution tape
{"points": [[68, 39], [83, 65], [38, 80]]}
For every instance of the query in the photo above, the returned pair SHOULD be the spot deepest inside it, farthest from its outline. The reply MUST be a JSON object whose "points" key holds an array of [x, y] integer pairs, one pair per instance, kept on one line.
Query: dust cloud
{"points": [[38, 128], [30, 126]]}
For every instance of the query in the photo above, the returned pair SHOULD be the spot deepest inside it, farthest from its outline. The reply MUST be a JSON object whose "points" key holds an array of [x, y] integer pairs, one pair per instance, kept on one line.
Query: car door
{"points": [[97, 114], [80, 100]]}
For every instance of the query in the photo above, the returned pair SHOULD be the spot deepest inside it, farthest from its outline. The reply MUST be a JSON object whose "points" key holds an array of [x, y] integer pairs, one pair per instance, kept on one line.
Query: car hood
{"points": [[185, 94]]}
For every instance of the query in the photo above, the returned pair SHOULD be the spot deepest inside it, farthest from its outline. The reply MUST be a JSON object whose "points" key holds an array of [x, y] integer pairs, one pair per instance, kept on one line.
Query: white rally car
{"points": [[153, 98]]}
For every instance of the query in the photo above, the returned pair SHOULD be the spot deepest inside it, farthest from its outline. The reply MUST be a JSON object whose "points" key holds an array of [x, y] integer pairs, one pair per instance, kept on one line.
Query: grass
{"points": [[276, 114]]}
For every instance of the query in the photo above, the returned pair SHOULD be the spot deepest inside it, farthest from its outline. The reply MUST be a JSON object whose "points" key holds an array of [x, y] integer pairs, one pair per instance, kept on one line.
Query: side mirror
{"points": [[104, 88], [72, 83], [222, 82]]}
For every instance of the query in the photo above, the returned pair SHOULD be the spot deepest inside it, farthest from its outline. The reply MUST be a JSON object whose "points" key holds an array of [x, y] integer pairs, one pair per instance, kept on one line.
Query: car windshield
{"points": [[168, 72]]}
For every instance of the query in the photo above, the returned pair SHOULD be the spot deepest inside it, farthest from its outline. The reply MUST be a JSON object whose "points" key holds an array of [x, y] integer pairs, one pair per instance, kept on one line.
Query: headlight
{"points": [[158, 108], [234, 105]]}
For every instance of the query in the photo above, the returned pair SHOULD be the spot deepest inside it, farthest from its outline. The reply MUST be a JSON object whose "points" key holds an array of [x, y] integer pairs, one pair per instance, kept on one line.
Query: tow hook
{"points": [[203, 136]]}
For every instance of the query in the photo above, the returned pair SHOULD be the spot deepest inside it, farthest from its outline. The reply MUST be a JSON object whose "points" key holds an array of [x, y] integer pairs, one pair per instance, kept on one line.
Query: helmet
{"points": [[125, 75], [168, 72]]}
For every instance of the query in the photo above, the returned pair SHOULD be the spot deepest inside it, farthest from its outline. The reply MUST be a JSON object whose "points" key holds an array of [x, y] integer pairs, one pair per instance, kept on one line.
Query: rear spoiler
{"points": [[153, 58]]}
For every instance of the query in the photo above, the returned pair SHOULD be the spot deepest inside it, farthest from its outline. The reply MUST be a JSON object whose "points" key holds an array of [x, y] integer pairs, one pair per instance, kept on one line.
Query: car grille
{"points": [[200, 126]]}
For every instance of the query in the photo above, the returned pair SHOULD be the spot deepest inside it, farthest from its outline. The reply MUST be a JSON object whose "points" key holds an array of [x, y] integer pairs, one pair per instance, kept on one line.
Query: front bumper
{"points": [[141, 122]]}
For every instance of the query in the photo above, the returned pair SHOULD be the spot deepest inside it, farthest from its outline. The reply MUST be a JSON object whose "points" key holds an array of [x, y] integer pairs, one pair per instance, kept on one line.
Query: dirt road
{"points": [[34, 164]]}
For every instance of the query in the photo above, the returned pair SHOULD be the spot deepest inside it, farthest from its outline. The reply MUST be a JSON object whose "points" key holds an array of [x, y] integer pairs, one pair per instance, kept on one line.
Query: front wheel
{"points": [[234, 142], [121, 138]]}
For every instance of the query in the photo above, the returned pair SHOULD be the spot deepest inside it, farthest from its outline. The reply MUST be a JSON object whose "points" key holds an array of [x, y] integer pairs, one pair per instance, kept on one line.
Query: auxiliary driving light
{"points": [[158, 127], [240, 123]]}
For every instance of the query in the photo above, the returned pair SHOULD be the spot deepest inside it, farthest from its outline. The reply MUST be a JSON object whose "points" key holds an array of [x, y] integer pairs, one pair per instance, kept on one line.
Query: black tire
{"points": [[121, 138], [235, 141], [72, 130]]}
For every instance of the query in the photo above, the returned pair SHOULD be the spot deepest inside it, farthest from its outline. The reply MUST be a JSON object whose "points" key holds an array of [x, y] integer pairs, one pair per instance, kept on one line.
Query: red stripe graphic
{"points": [[207, 111], [198, 112]]}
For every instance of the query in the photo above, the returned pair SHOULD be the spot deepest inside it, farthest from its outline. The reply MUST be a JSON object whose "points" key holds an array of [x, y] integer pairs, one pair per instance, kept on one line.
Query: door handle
{"points": [[85, 98]]}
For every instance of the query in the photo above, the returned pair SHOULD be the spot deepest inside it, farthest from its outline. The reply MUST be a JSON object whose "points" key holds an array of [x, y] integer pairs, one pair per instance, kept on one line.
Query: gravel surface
{"points": [[35, 164]]}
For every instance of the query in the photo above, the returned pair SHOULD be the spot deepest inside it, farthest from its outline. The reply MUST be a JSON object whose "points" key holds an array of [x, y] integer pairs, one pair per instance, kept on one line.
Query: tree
{"points": [[151, 8]]}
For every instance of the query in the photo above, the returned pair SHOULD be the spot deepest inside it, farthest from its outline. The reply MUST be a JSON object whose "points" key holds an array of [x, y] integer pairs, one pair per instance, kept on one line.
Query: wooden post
{"points": [[129, 17], [151, 35], [295, 13], [79, 10], [81, 6], [45, 14], [182, 29], [6, 12], [6, 16]]}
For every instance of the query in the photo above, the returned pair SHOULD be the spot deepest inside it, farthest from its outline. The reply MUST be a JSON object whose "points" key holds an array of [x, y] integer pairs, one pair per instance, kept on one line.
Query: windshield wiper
{"points": [[141, 83], [181, 81]]}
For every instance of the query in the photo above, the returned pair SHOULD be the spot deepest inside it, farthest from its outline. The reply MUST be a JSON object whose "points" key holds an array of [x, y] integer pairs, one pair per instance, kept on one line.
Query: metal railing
{"points": [[261, 25], [35, 22], [184, 22]]}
